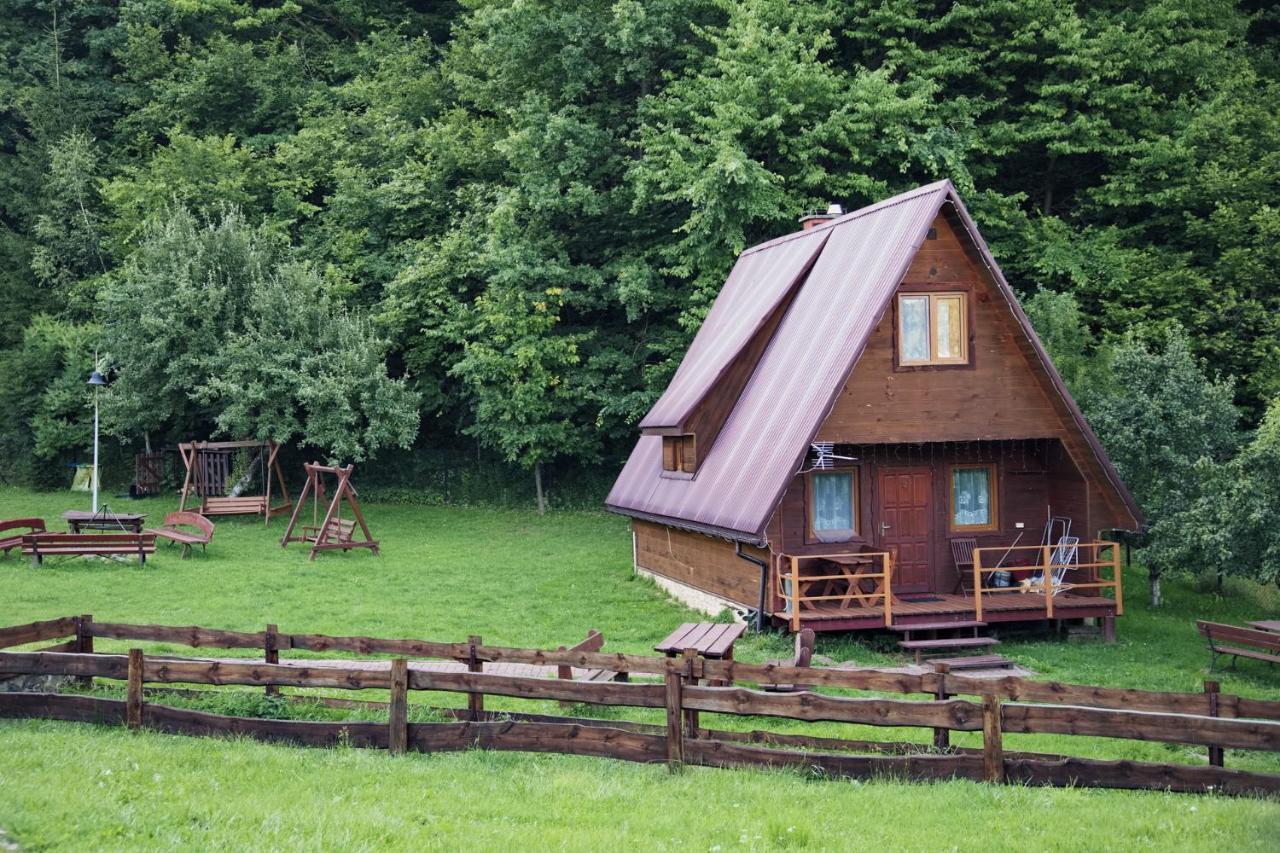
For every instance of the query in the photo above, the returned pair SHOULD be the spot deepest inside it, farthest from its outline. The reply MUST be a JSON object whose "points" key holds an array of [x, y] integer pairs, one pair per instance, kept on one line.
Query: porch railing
{"points": [[1093, 557], [792, 584]]}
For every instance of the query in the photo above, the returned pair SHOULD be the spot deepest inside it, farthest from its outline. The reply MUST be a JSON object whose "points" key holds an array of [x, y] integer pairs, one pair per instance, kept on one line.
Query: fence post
{"points": [[133, 695], [84, 644], [675, 718], [271, 654], [941, 737], [1216, 753], [398, 708], [691, 673], [992, 740], [475, 699]]}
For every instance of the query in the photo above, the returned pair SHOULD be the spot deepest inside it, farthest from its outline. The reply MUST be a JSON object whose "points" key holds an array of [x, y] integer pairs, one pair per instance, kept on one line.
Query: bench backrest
{"points": [[190, 519], [86, 540], [1216, 631], [35, 525]]}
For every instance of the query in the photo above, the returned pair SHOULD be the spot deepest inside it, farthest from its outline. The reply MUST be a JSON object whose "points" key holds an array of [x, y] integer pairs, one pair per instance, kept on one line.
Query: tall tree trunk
{"points": [[1156, 600], [537, 482]]}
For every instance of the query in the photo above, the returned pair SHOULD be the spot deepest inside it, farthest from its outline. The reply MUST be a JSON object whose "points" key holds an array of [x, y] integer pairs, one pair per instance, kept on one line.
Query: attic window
{"points": [[933, 328], [679, 453]]}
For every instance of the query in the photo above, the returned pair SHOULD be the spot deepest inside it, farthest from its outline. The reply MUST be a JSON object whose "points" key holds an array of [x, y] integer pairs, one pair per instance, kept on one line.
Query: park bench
{"points": [[1239, 642], [37, 546], [593, 643], [9, 541], [234, 506], [186, 529], [340, 530]]}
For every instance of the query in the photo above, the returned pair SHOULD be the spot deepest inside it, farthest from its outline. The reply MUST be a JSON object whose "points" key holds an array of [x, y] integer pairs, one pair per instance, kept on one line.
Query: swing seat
{"points": [[241, 506], [338, 529]]}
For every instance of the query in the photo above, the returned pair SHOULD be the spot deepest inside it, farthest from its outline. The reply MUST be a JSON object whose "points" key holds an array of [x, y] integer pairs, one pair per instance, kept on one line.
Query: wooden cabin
{"points": [[867, 433]]}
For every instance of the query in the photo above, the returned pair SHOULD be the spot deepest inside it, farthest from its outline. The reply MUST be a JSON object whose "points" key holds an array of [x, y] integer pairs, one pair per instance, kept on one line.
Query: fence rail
{"points": [[1142, 715], [1105, 555]]}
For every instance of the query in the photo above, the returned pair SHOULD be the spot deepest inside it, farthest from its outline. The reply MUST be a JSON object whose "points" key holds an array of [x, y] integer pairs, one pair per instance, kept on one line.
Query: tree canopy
{"points": [[516, 213]]}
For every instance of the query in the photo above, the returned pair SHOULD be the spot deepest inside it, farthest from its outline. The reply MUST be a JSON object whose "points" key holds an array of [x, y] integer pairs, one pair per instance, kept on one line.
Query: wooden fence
{"points": [[689, 686]]}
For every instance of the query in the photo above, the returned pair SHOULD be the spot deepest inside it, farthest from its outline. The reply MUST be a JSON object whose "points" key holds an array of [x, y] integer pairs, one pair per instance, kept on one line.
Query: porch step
{"points": [[974, 662], [936, 626], [922, 646]]}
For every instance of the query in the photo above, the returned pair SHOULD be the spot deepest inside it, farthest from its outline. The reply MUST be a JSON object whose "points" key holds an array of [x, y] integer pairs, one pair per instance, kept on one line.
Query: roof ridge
{"points": [[885, 204]]}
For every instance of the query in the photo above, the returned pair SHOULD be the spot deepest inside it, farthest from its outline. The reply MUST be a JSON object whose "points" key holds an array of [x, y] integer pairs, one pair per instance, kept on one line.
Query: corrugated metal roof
{"points": [[758, 283], [864, 256]]}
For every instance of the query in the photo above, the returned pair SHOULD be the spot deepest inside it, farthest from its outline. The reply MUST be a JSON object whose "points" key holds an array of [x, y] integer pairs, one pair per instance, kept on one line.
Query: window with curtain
{"points": [[833, 508], [973, 496], [933, 328]]}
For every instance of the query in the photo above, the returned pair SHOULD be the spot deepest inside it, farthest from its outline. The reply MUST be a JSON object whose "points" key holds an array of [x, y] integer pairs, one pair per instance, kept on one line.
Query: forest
{"points": [[372, 228]]}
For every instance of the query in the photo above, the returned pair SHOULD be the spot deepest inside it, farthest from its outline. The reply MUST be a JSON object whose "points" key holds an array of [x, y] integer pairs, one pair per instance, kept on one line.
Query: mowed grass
{"points": [[515, 578]]}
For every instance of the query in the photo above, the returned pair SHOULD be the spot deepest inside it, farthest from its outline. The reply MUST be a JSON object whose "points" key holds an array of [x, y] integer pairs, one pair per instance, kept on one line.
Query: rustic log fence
{"points": [[689, 686]]}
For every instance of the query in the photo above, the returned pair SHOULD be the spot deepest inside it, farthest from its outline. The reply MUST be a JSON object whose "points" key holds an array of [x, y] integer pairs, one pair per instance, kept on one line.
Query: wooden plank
{"points": [[374, 646], [398, 711], [35, 632], [595, 692], [475, 699], [955, 714], [674, 685], [511, 735], [53, 663], [189, 635], [1092, 773], [717, 753], [271, 653], [992, 740], [1142, 725], [134, 691], [68, 708]]}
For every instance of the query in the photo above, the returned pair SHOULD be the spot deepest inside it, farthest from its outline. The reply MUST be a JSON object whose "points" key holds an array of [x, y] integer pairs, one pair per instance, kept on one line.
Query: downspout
{"points": [[764, 582]]}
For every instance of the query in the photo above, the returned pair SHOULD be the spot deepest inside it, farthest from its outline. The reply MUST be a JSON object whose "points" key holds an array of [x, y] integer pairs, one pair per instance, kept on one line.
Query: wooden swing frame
{"points": [[214, 505], [331, 534]]}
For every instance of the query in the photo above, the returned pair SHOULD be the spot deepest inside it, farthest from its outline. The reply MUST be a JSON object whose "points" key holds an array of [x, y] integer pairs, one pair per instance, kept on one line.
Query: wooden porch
{"points": [[857, 594]]}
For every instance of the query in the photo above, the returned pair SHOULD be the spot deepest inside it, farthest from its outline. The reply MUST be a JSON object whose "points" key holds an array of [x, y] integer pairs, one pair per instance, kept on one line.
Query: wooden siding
{"points": [[1001, 394], [699, 561]]}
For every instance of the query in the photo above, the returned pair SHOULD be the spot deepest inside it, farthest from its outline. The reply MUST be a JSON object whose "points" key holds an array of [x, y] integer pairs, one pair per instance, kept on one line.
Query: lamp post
{"points": [[96, 382]]}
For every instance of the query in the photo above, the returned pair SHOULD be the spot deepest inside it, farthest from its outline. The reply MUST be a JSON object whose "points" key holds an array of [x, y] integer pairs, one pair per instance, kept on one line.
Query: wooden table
{"points": [[709, 639], [79, 520], [1272, 625]]}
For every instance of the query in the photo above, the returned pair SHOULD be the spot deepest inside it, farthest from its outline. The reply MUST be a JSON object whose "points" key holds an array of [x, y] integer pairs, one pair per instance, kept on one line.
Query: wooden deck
{"points": [[912, 609]]}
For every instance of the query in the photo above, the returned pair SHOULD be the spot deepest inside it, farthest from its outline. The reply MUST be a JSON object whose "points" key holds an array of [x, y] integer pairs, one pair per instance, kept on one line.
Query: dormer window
{"points": [[933, 329], [679, 454]]}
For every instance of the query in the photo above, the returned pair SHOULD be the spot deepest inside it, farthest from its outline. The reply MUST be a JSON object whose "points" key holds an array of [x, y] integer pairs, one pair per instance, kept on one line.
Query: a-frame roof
{"points": [[861, 258]]}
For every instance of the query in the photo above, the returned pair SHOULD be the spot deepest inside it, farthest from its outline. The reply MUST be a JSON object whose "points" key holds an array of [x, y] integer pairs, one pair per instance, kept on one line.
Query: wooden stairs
{"points": [[936, 643]]}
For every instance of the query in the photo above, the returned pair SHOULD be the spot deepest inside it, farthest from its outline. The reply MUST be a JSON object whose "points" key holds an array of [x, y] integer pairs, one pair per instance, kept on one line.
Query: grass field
{"points": [[518, 579]]}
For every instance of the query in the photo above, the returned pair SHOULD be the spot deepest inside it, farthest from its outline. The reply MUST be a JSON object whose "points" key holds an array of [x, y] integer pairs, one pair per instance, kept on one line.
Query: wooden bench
{"points": [[234, 506], [340, 530], [973, 662], [803, 658], [14, 540], [1239, 643], [174, 529], [37, 546]]}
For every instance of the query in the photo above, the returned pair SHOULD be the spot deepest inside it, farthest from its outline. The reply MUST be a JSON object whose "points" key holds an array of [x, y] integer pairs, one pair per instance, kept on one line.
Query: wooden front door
{"points": [[903, 519]]}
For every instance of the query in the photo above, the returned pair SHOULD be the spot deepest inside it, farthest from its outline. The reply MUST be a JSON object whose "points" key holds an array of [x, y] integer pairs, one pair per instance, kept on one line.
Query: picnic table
{"points": [[1272, 625], [709, 639], [79, 520]]}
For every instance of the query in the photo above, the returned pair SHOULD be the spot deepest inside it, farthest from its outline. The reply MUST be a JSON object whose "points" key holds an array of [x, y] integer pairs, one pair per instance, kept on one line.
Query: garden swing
{"points": [[334, 532], [208, 466]]}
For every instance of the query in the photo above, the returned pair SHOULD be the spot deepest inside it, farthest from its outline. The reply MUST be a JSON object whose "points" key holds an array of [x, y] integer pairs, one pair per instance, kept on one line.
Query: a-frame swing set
{"points": [[334, 532], [209, 467]]}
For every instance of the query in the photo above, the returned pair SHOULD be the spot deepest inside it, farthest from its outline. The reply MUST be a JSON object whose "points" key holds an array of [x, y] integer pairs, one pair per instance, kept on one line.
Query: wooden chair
{"points": [[175, 529], [962, 556], [14, 540]]}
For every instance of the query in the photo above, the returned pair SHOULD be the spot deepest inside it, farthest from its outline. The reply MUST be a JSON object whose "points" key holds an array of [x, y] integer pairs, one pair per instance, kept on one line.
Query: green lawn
{"points": [[515, 578]]}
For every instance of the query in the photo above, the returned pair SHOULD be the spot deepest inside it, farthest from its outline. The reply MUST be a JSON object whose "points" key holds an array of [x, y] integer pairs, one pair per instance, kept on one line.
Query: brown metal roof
{"points": [[863, 256]]}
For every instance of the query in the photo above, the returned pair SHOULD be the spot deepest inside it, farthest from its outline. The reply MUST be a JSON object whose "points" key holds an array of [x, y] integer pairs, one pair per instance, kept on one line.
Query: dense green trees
{"points": [[526, 207]]}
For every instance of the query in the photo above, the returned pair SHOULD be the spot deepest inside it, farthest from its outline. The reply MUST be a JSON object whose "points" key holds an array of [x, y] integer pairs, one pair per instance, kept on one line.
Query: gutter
{"points": [[764, 582]]}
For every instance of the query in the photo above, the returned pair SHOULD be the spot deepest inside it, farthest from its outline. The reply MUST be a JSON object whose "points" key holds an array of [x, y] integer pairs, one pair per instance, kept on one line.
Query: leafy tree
{"points": [[213, 325], [1162, 418]]}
